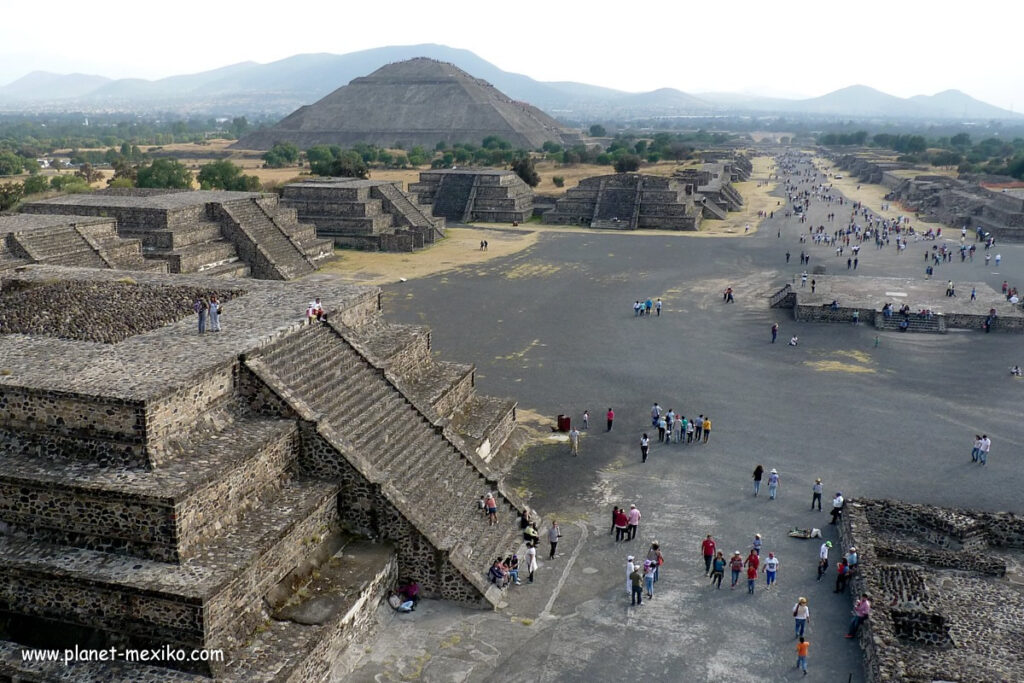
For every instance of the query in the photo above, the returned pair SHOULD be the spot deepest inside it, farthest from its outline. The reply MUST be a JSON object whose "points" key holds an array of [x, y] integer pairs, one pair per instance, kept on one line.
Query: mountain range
{"points": [[279, 87]]}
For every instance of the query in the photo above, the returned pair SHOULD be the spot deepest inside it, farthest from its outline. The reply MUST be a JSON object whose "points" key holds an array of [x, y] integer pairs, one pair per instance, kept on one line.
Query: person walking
{"points": [[634, 521], [574, 441], [823, 558], [656, 558], [621, 526], [771, 568], [755, 546], [611, 418], [707, 428], [531, 559], [645, 447], [649, 578], [751, 579], [630, 568], [657, 308], [816, 492], [736, 566], [977, 448], [801, 654], [698, 427], [707, 549], [837, 507], [861, 611], [655, 414], [492, 509], [758, 473], [775, 331], [801, 615], [586, 420], [986, 445], [636, 582], [717, 570], [554, 533], [773, 484]]}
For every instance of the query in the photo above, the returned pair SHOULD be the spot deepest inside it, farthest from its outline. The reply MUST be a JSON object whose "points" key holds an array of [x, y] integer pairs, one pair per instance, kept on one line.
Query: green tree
{"points": [[239, 126], [960, 141], [322, 154], [87, 173], [125, 173], [281, 154], [627, 163], [558, 180], [36, 184], [349, 165], [10, 194], [224, 175], [11, 164], [69, 183], [524, 168], [598, 131], [165, 173]]}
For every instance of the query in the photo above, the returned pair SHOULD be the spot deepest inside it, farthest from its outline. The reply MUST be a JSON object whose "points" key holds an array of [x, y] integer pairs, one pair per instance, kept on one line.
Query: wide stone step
{"points": [[234, 268], [195, 257], [163, 514], [442, 385], [214, 600]]}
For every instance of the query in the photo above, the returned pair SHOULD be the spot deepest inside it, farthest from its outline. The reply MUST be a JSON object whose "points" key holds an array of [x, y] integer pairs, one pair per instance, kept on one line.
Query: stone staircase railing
{"points": [[784, 298]]}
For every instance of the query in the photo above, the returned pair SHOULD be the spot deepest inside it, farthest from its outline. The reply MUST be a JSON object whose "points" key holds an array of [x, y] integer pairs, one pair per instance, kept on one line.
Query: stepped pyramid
{"points": [[416, 102], [219, 234], [172, 489], [628, 201]]}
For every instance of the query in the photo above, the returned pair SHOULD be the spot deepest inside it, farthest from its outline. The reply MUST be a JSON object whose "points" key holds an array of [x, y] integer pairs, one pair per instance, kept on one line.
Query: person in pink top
{"points": [[634, 521], [611, 418]]}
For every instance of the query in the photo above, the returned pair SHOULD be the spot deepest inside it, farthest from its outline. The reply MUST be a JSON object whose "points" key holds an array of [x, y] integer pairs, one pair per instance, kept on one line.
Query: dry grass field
{"points": [[872, 196]]}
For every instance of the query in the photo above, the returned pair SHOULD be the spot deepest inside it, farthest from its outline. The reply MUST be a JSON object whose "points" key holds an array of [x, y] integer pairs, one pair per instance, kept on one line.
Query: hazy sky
{"points": [[787, 47]]}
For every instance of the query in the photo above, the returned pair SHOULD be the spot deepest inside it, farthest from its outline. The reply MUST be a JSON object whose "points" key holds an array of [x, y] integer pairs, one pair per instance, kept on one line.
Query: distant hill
{"points": [[279, 87], [42, 85]]}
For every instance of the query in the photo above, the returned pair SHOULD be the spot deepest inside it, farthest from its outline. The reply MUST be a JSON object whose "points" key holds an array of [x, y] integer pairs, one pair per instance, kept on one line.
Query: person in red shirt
{"points": [[611, 418], [736, 566], [621, 524], [707, 548], [753, 560], [751, 577]]}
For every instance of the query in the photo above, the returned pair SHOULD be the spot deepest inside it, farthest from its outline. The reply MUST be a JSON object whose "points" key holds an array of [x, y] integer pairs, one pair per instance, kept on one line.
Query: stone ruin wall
{"points": [[910, 623]]}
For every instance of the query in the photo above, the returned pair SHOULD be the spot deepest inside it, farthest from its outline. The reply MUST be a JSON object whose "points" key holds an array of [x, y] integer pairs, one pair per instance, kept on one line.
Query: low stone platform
{"points": [[946, 590], [867, 296]]}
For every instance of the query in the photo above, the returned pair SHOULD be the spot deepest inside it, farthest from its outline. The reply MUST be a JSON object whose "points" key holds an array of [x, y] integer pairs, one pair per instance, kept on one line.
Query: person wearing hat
{"points": [[823, 558], [773, 484], [801, 615], [636, 582], [837, 507], [816, 492], [736, 565], [630, 568]]}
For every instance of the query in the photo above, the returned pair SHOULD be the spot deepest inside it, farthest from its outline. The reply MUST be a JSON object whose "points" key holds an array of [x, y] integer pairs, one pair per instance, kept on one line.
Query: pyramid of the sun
{"points": [[416, 102]]}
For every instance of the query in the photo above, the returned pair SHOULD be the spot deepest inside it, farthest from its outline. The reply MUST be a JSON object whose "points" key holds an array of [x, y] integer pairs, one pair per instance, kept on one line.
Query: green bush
{"points": [[558, 180]]}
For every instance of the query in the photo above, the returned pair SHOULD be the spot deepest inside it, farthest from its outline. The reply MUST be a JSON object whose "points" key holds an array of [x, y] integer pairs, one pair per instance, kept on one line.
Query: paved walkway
{"points": [[553, 326]]}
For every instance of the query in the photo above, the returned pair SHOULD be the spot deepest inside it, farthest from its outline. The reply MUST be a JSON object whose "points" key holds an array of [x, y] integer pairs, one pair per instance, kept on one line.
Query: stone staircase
{"points": [[713, 210], [934, 325], [60, 245], [271, 245], [380, 433], [406, 212], [452, 198]]}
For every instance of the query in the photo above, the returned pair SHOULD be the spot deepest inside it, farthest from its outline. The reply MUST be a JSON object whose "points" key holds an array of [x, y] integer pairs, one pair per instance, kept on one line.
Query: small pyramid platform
{"points": [[416, 102], [628, 201], [363, 214]]}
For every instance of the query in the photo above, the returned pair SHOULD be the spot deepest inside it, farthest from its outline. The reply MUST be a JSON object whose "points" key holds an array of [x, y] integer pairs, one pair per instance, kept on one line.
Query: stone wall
{"points": [[939, 602]]}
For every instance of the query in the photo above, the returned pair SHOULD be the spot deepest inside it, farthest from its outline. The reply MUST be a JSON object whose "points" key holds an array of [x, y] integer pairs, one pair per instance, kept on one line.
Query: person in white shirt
{"points": [[823, 558], [837, 507], [771, 567], [986, 444]]}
